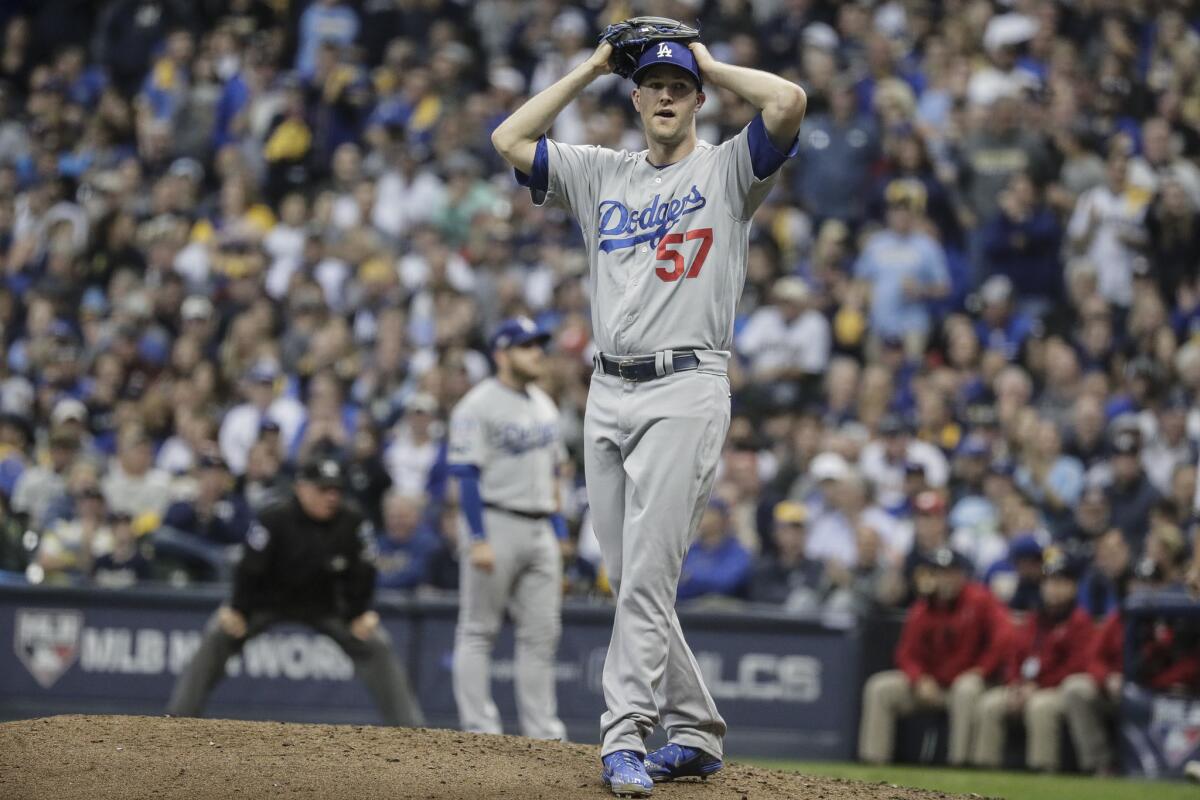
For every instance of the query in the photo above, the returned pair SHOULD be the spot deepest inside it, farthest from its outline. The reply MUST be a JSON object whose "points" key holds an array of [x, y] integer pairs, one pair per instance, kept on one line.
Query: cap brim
{"points": [[636, 77]]}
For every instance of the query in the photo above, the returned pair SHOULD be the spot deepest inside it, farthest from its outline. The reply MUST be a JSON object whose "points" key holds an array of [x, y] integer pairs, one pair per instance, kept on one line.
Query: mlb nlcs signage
{"points": [[786, 687]]}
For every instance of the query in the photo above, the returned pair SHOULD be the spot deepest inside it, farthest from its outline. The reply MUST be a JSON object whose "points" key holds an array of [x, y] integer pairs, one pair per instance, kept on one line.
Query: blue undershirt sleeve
{"points": [[539, 179], [765, 157], [469, 498], [559, 523]]}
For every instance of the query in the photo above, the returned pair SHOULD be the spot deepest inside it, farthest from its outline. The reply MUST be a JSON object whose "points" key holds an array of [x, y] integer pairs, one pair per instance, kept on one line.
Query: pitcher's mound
{"points": [[91, 757]]}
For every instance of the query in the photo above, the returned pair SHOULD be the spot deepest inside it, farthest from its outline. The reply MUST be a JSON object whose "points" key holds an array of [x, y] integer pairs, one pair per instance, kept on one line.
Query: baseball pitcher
{"points": [[666, 231], [505, 450]]}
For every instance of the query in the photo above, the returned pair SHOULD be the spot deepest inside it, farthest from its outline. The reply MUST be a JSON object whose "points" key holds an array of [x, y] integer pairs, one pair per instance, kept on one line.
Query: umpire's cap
{"points": [[677, 54], [324, 471], [518, 331]]}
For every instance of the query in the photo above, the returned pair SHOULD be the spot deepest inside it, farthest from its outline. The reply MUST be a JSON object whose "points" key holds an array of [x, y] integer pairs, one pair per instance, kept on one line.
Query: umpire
{"points": [[307, 560]]}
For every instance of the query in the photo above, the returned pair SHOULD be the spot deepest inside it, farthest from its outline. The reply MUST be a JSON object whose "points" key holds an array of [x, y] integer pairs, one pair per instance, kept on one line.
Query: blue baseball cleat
{"points": [[625, 774], [676, 761]]}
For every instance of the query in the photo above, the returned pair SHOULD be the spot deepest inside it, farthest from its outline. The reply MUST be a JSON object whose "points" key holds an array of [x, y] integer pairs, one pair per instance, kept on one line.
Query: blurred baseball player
{"points": [[505, 450], [666, 231]]}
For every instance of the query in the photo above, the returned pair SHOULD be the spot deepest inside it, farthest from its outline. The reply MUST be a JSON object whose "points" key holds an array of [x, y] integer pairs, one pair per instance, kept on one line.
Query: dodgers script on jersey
{"points": [[666, 245], [514, 439]]}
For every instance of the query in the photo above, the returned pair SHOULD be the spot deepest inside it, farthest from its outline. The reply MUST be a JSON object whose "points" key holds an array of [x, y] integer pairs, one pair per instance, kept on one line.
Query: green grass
{"points": [[1009, 785]]}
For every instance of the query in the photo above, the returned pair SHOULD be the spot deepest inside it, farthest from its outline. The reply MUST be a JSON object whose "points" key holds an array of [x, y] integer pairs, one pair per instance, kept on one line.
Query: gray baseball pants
{"points": [[527, 583], [650, 454], [374, 663]]}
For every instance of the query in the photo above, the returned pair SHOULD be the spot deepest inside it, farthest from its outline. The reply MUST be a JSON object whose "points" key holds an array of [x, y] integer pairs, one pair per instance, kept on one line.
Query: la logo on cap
{"points": [[664, 50]]}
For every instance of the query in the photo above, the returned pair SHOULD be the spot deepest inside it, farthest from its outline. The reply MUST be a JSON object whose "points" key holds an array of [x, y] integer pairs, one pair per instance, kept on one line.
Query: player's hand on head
{"points": [[481, 555], [601, 59], [704, 59], [232, 622], [364, 625]]}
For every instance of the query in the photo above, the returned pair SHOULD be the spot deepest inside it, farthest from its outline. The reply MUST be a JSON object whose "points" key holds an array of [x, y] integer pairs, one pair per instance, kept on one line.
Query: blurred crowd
{"points": [[237, 232]]}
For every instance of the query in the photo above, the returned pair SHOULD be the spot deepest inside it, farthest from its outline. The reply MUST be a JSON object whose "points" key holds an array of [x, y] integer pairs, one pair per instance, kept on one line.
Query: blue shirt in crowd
{"points": [[888, 260]]}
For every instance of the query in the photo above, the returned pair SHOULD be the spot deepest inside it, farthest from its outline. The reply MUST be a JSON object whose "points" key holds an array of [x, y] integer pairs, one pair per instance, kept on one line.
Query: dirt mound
{"points": [[140, 757]]}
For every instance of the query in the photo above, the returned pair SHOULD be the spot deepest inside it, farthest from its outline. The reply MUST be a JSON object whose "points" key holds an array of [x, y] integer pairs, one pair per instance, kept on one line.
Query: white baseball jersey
{"points": [[666, 246], [514, 439]]}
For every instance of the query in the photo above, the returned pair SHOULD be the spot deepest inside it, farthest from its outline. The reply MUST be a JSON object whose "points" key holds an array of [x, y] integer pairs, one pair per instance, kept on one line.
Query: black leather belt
{"points": [[647, 368], [533, 515]]}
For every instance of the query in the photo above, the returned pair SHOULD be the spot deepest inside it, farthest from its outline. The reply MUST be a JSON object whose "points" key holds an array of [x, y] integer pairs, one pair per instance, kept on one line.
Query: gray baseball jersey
{"points": [[667, 250], [514, 440], [667, 245]]}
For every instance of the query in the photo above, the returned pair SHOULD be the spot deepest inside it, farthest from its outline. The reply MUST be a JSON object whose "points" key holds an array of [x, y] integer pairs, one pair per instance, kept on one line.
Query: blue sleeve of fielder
{"points": [[559, 523], [539, 178], [468, 497], [765, 157]]}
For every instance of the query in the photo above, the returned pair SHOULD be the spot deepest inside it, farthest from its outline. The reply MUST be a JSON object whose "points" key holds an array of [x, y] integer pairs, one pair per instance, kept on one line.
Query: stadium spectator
{"points": [[786, 344], [414, 445], [38, 486], [242, 424], [1016, 579], [406, 543], [788, 577], [132, 484], [217, 514], [837, 148], [905, 269], [716, 565], [67, 550], [1047, 646], [1022, 242], [834, 537], [1130, 495], [951, 645], [129, 560], [1106, 228]]}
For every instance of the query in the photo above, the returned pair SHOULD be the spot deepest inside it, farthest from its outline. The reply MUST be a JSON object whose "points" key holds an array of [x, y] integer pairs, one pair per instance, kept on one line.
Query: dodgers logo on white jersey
{"points": [[664, 50]]}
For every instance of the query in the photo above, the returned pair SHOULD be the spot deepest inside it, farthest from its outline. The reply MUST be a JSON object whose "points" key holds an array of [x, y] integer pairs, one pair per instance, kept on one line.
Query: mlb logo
{"points": [[47, 642], [664, 51], [1181, 743]]}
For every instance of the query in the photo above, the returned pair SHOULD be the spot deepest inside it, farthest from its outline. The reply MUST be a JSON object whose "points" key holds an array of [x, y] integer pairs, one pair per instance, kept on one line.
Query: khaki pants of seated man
{"points": [[889, 695], [1088, 708], [1042, 714]]}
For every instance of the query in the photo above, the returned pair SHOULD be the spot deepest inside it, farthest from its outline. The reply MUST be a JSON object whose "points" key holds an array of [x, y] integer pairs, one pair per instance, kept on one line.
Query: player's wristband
{"points": [[559, 523]]}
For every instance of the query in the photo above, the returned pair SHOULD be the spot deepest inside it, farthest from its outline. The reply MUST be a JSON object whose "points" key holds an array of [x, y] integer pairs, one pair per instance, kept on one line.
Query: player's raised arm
{"points": [[516, 138], [782, 102]]}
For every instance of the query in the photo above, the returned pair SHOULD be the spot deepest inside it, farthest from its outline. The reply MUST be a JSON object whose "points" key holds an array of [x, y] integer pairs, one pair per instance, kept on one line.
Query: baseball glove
{"points": [[630, 38]]}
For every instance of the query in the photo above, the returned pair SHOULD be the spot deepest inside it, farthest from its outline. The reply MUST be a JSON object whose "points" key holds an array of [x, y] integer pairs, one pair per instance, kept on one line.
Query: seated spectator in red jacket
{"points": [[1091, 697], [716, 565], [1047, 646], [952, 642]]}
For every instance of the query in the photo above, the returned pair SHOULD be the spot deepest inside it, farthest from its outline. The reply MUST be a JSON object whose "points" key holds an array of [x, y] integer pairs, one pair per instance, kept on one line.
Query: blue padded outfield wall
{"points": [[787, 687]]}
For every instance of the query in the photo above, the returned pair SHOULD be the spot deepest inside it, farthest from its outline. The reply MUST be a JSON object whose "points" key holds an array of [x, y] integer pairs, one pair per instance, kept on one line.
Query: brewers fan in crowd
{"points": [[309, 560], [506, 450]]}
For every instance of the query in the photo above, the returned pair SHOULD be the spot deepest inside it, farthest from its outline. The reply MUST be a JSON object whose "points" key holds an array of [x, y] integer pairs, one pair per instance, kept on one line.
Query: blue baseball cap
{"points": [[518, 331], [676, 54], [974, 446]]}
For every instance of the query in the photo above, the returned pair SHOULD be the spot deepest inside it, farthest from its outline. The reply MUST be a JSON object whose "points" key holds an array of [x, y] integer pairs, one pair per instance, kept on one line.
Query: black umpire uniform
{"points": [[297, 568]]}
